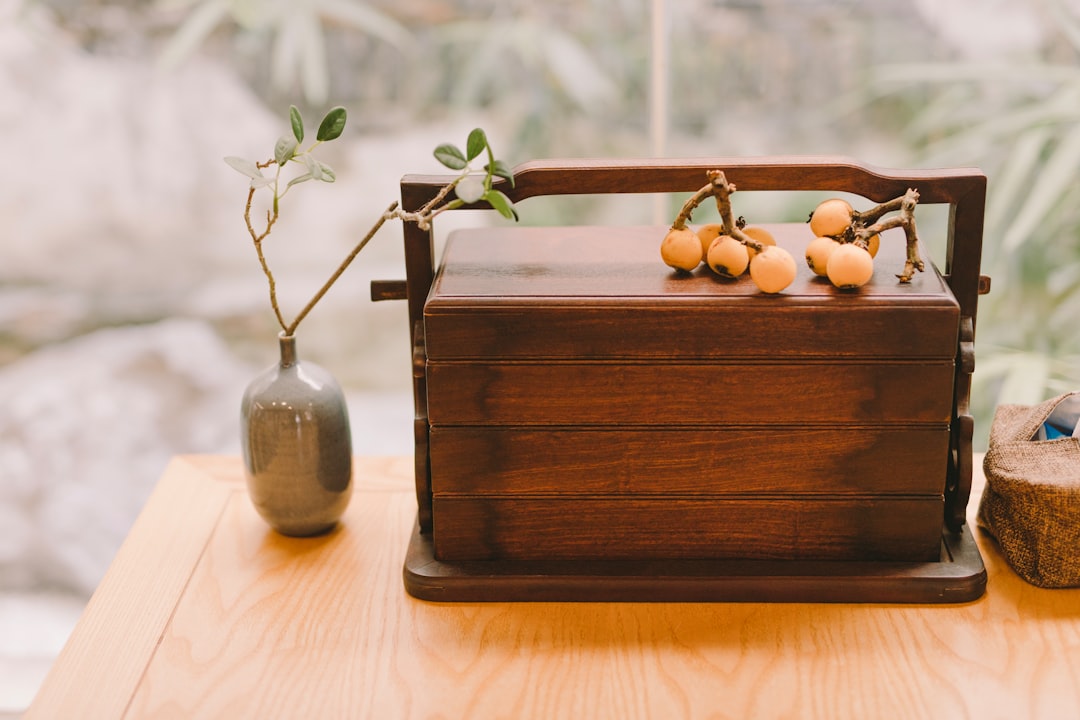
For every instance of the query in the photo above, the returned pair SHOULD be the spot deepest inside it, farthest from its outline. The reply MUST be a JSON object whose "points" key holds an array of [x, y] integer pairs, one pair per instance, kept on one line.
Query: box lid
{"points": [[603, 292]]}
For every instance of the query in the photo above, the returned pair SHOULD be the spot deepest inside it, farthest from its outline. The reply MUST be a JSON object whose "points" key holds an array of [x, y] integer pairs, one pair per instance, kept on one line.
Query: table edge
{"points": [[98, 671]]}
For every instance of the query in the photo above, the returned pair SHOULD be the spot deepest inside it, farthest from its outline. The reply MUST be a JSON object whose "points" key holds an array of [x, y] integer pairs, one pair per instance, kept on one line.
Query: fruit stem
{"points": [[689, 206], [868, 217], [906, 219], [721, 189]]}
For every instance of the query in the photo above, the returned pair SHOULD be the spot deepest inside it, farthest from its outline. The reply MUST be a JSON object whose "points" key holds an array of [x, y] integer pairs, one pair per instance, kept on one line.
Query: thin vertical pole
{"points": [[658, 98]]}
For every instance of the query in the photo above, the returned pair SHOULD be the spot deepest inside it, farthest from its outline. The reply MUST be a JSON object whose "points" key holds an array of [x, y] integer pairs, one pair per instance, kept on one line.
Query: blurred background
{"points": [[132, 308]]}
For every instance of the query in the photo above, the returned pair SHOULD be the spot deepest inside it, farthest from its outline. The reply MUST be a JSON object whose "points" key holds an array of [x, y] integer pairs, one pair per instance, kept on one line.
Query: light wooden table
{"points": [[205, 613]]}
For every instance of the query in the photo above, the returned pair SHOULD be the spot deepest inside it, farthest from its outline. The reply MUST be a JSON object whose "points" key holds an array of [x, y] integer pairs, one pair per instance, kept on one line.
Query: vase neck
{"points": [[288, 349]]}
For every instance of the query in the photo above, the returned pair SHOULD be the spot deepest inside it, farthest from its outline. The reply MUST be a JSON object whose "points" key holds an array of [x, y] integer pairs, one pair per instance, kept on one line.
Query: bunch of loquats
{"points": [[843, 249]]}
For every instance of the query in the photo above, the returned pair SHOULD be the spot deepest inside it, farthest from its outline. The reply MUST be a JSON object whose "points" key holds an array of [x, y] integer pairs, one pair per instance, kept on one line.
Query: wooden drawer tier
{"points": [[526, 393], [691, 527], [687, 460]]}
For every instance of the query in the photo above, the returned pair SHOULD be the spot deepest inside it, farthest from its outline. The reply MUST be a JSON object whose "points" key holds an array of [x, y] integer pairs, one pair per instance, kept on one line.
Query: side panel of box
{"points": [[673, 393], [535, 528], [688, 460]]}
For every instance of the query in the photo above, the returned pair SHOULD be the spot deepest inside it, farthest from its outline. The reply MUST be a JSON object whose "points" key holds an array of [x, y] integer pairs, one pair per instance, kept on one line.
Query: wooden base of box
{"points": [[959, 576]]}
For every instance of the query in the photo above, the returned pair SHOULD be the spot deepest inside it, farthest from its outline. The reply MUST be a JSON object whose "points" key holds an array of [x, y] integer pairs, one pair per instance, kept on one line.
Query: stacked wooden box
{"points": [[591, 425], [585, 401]]}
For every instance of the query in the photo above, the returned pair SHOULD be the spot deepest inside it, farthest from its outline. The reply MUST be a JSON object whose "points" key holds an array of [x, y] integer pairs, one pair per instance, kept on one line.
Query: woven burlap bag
{"points": [[1031, 504]]}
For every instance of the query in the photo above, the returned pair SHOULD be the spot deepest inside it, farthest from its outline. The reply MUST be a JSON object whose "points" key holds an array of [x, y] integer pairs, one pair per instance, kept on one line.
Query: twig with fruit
{"points": [[846, 240], [728, 247], [469, 187], [845, 243]]}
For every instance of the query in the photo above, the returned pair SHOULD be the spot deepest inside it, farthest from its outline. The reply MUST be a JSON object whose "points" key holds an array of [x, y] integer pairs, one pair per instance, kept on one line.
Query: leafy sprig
{"points": [[469, 188]]}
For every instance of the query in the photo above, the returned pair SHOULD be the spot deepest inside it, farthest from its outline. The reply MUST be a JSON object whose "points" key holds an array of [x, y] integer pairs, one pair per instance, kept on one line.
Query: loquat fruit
{"points": [[772, 269], [818, 252], [873, 243], [759, 234], [850, 267], [681, 249], [728, 257], [708, 233], [831, 217]]}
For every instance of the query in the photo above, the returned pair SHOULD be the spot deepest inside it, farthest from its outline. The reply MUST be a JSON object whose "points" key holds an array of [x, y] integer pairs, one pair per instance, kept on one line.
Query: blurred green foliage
{"points": [[1019, 120]]}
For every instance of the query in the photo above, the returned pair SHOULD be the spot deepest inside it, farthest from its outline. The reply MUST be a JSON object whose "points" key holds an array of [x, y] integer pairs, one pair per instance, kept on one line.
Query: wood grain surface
{"points": [[208, 614], [732, 527], [570, 393], [677, 460]]}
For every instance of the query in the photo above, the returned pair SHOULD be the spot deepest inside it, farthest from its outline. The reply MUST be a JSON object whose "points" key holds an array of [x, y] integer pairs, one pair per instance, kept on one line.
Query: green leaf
{"points": [[332, 125], [260, 182], [500, 169], [244, 167], [326, 173], [297, 122], [476, 143], [470, 188], [450, 156], [299, 179], [501, 203], [314, 166], [284, 149]]}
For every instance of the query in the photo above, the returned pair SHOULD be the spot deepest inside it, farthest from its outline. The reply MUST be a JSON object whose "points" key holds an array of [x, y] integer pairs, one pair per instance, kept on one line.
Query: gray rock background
{"points": [[133, 311]]}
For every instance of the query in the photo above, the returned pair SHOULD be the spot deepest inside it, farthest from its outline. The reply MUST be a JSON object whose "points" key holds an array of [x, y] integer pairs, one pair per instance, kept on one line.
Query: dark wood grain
{"points": [[956, 575], [790, 394], [576, 461], [687, 330], [795, 528], [594, 176]]}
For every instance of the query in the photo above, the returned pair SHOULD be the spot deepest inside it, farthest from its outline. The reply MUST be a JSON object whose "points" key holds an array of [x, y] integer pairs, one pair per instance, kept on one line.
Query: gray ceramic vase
{"points": [[297, 445]]}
